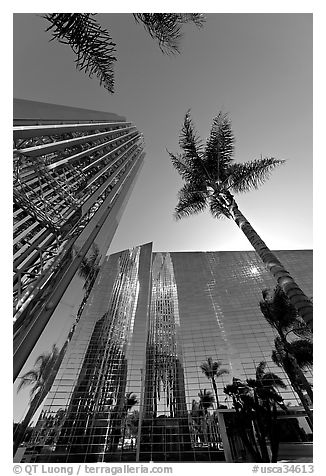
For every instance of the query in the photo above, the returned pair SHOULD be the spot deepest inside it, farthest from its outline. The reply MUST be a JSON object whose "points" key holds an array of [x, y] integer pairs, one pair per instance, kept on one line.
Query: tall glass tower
{"points": [[131, 387], [73, 172]]}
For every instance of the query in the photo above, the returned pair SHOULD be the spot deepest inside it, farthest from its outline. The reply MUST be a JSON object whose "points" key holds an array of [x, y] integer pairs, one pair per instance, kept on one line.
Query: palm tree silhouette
{"points": [[255, 404], [41, 378], [119, 416], [130, 401], [89, 267], [266, 383], [95, 51], [212, 177], [295, 355], [131, 425], [206, 401], [288, 357], [212, 371], [266, 397]]}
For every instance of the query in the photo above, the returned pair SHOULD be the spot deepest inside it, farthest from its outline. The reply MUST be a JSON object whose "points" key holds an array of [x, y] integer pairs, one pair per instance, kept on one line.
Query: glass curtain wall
{"points": [[131, 387]]}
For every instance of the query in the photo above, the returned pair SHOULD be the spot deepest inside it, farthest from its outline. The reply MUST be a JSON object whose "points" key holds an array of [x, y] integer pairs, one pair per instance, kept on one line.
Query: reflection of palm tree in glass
{"points": [[196, 414], [295, 355], [120, 417], [265, 391], [132, 426], [206, 401], [48, 428], [41, 379], [89, 267], [255, 403], [212, 371]]}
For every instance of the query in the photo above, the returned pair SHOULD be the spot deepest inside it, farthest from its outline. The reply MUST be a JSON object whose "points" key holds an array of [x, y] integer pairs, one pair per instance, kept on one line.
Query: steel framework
{"points": [[69, 178]]}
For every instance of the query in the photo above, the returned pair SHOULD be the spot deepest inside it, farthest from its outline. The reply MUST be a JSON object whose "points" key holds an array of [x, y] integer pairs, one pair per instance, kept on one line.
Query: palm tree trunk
{"points": [[252, 450], [275, 434], [301, 376], [219, 417], [297, 372], [259, 426], [215, 391], [296, 296], [296, 377], [301, 396]]}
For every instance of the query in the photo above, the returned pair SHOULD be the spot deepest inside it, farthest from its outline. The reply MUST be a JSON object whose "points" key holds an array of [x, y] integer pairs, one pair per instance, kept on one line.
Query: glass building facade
{"points": [[130, 387], [73, 173]]}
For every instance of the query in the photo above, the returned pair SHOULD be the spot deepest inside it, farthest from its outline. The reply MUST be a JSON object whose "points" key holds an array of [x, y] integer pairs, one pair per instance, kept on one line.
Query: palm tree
{"points": [[95, 51], [132, 424], [212, 371], [130, 400], [296, 355], [212, 177], [255, 404], [265, 385], [266, 398], [196, 414], [41, 378], [302, 350], [283, 357], [243, 403], [89, 267], [206, 401], [119, 415]]}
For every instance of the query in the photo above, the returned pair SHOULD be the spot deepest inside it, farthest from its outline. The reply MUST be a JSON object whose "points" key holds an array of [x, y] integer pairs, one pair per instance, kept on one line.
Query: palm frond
{"points": [[260, 370], [300, 329], [302, 350], [253, 383], [209, 368], [277, 309], [89, 265], [189, 140], [221, 372], [166, 27], [205, 368], [277, 358], [197, 18], [189, 172], [27, 379], [272, 380], [130, 400], [44, 362], [248, 175], [230, 389], [220, 146], [206, 398], [190, 202], [92, 45]]}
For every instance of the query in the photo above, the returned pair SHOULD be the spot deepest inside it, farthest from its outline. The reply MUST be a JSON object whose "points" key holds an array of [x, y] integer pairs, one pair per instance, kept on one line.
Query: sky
{"points": [[256, 67]]}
